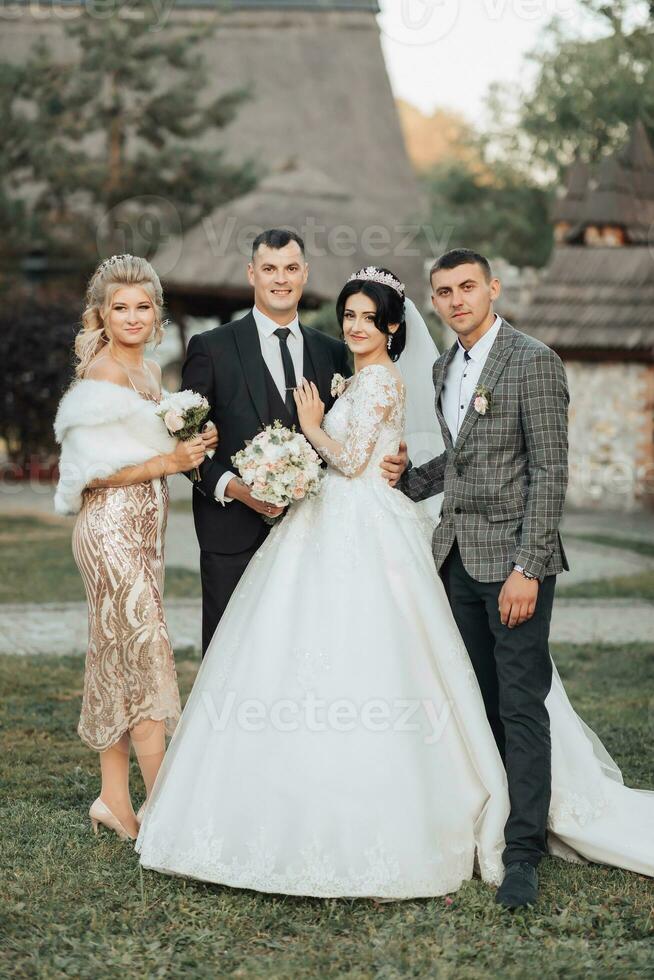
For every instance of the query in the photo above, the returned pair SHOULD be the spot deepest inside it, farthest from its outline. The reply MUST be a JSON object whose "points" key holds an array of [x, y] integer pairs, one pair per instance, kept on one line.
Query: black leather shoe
{"points": [[520, 885]]}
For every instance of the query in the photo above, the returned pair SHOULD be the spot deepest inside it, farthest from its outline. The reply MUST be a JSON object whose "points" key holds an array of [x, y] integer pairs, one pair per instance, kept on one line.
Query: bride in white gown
{"points": [[335, 742]]}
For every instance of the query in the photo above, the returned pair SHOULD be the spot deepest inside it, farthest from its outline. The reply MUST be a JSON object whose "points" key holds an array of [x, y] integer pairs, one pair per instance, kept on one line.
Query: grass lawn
{"points": [[637, 545], [36, 564], [639, 586], [77, 906]]}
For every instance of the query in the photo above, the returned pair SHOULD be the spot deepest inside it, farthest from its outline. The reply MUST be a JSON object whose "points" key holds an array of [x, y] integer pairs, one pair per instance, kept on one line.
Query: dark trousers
{"points": [[220, 575], [514, 671]]}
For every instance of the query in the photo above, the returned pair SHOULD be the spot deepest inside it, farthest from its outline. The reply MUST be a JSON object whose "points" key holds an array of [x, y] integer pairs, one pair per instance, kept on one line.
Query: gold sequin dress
{"points": [[130, 671]]}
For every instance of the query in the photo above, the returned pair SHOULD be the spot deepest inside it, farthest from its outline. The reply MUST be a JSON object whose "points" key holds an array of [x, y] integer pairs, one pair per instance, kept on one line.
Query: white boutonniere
{"points": [[338, 385], [482, 400]]}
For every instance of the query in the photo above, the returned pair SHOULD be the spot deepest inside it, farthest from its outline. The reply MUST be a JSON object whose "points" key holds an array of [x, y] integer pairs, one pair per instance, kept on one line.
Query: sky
{"points": [[446, 53]]}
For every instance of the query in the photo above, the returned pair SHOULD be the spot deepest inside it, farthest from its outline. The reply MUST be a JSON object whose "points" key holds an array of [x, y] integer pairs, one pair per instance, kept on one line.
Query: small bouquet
{"points": [[279, 466], [183, 414]]}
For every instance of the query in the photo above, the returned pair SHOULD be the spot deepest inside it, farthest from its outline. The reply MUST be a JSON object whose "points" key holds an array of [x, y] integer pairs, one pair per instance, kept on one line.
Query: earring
{"points": [[389, 342]]}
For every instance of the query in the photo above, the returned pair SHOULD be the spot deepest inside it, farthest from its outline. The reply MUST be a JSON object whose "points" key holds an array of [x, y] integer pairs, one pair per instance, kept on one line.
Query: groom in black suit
{"points": [[247, 370]]}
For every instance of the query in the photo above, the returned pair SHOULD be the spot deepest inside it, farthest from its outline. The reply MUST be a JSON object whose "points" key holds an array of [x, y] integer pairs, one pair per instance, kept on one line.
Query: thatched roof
{"points": [[595, 300], [333, 222], [618, 192], [320, 93], [321, 104], [323, 129], [320, 99]]}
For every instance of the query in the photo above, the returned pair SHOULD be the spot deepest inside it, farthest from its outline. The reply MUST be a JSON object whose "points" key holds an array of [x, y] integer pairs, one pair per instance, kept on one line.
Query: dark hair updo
{"points": [[389, 303]]}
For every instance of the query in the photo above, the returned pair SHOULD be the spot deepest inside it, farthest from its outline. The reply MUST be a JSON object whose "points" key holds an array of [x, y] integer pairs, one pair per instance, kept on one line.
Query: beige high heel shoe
{"points": [[101, 814], [141, 812]]}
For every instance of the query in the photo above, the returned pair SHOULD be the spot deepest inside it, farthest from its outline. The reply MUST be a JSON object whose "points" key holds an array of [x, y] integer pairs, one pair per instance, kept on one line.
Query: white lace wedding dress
{"points": [[335, 741]]}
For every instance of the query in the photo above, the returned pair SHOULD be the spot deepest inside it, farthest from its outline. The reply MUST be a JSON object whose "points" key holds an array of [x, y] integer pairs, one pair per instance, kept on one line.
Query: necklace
{"points": [[143, 368]]}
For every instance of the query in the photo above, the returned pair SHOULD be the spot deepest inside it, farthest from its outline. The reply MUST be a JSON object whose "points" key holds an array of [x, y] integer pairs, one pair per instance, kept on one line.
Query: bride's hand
{"points": [[310, 409]]}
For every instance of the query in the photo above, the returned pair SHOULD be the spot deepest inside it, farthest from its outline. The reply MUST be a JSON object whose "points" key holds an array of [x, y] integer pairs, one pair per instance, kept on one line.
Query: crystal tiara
{"points": [[112, 260], [373, 274]]}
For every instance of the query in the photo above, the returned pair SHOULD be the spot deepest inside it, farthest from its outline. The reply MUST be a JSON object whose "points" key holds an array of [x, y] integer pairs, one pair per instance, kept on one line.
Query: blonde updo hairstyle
{"points": [[119, 270]]}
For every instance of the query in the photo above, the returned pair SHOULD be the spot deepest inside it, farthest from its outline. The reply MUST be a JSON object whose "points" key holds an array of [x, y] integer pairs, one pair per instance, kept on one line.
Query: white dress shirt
{"points": [[462, 377], [272, 356]]}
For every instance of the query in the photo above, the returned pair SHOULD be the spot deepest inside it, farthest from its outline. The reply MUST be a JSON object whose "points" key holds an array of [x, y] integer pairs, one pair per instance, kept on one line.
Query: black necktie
{"points": [[466, 357], [289, 370]]}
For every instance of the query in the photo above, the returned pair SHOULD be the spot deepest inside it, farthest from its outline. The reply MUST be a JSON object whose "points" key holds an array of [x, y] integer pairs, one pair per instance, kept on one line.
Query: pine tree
{"points": [[107, 153]]}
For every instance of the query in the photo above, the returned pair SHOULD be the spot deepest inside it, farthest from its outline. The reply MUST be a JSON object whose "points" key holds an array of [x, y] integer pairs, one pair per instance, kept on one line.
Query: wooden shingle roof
{"points": [[595, 299], [618, 192], [569, 206]]}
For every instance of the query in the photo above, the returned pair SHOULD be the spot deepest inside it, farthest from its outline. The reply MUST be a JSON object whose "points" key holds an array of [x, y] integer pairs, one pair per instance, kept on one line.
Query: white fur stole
{"points": [[103, 427]]}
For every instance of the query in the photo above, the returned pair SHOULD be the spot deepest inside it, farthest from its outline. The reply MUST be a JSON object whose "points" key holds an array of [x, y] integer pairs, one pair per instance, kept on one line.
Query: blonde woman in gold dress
{"points": [[105, 421]]}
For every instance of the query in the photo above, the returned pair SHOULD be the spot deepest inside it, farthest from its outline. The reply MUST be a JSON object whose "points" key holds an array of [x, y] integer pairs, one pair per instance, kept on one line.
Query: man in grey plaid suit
{"points": [[502, 405]]}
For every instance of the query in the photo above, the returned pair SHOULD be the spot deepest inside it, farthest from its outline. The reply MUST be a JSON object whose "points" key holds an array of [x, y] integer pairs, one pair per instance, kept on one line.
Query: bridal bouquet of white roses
{"points": [[183, 414], [279, 466]]}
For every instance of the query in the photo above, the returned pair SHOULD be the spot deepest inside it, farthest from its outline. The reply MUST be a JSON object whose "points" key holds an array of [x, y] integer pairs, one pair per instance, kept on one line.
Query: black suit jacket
{"points": [[227, 367]]}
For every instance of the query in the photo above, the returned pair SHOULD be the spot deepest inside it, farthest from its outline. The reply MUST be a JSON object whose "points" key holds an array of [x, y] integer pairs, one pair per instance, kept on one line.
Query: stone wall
{"points": [[611, 435]]}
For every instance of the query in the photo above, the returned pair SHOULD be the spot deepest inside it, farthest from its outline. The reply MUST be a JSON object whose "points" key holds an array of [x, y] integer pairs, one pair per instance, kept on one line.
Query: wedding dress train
{"points": [[335, 741]]}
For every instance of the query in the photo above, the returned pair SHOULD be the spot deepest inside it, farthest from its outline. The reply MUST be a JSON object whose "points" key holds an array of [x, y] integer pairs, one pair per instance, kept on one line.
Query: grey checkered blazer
{"points": [[506, 475]]}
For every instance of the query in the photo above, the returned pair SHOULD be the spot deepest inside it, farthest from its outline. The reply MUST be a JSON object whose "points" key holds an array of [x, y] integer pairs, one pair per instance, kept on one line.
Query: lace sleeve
{"points": [[374, 396]]}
